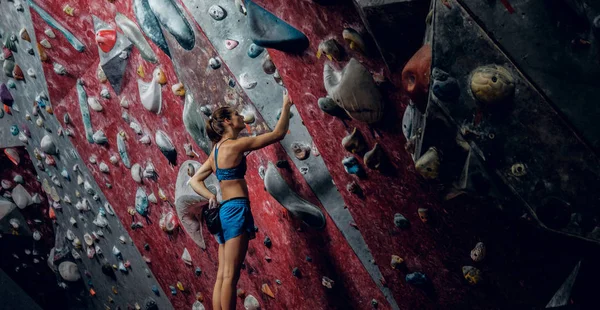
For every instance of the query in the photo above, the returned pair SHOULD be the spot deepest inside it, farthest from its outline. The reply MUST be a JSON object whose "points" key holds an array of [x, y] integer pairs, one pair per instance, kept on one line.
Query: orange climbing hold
{"points": [[106, 39], [267, 290], [199, 297], [92, 292], [42, 52], [51, 213], [7, 109]]}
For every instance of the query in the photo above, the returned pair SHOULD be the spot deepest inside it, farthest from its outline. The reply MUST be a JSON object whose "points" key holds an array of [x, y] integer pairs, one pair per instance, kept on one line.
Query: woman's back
{"points": [[229, 165]]}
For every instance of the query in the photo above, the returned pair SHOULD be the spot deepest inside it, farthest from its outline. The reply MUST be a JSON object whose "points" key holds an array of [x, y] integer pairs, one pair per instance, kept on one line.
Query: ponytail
{"points": [[215, 127]]}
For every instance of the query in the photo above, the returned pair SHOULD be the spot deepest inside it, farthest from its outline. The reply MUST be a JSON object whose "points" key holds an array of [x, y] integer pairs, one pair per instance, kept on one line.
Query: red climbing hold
{"points": [[106, 39]]}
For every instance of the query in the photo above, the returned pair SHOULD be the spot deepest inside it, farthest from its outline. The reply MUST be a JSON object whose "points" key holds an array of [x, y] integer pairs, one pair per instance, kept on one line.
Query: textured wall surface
{"points": [[439, 248]]}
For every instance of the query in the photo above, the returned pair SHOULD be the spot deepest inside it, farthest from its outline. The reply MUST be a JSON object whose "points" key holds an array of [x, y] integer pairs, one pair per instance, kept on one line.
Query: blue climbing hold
{"points": [[255, 50], [352, 166], [400, 221], [416, 278], [141, 202], [14, 130], [198, 271], [155, 290], [102, 211], [267, 30], [173, 290], [444, 87]]}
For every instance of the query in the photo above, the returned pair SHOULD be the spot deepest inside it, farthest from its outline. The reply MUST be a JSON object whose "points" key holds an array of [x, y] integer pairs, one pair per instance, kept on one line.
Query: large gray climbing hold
{"points": [[21, 197], [193, 119], [354, 90], [563, 295], [189, 204], [173, 20], [149, 24], [6, 207], [310, 214], [112, 63]]}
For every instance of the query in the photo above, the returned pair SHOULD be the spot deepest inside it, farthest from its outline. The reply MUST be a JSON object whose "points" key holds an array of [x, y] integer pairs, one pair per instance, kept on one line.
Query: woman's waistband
{"points": [[235, 199]]}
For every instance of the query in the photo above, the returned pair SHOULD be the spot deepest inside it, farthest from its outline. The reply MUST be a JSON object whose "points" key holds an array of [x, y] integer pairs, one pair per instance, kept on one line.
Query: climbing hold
{"points": [[255, 50], [267, 242], [149, 171], [354, 39], [94, 104], [180, 286], [327, 282], [416, 278], [251, 303], [268, 65], [150, 95], [267, 290], [136, 128], [141, 202], [214, 63], [352, 166], [397, 262], [133, 33], [415, 76], [99, 137], [69, 271], [69, 10], [104, 93], [444, 86], [401, 221], [301, 150], [106, 39], [407, 121], [374, 303], [354, 90], [354, 142], [194, 123], [246, 82], [46, 44], [48, 145], [145, 139], [11, 44], [423, 214], [471, 274], [149, 24], [217, 12], [140, 71], [296, 272], [267, 30], [31, 74], [124, 103], [478, 252], [21, 197], [103, 167], [159, 75], [178, 89], [492, 84], [24, 35], [428, 165], [174, 21], [231, 44], [59, 69], [249, 118], [186, 257], [17, 73], [166, 146], [198, 271], [5, 96], [122, 147], [328, 106], [152, 198], [330, 49], [42, 52], [518, 170], [375, 158], [310, 214]]}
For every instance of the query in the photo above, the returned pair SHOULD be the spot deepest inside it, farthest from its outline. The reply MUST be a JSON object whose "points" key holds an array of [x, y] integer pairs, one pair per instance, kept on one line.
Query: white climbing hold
{"points": [[149, 172], [109, 209], [48, 145], [6, 184], [59, 69], [69, 271], [114, 159], [104, 93], [88, 188], [152, 198], [79, 180], [124, 103], [31, 72], [136, 128], [37, 235], [104, 167], [216, 12], [246, 82], [99, 137], [100, 221], [136, 173], [93, 159], [21, 197], [186, 257], [46, 44], [94, 104], [251, 303], [50, 33], [145, 139]]}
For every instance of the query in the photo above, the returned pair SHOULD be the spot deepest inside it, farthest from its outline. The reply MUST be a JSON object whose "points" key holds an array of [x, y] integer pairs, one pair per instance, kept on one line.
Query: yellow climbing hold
{"points": [[471, 274], [68, 10], [267, 290], [140, 71], [180, 286], [114, 290]]}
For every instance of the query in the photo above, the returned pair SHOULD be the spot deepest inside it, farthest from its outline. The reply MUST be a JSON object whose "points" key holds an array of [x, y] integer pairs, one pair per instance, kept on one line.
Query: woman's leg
{"points": [[216, 298], [235, 252]]}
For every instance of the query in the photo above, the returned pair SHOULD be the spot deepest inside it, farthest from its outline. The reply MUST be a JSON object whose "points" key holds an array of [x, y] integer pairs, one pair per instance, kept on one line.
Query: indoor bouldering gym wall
{"points": [[441, 154]]}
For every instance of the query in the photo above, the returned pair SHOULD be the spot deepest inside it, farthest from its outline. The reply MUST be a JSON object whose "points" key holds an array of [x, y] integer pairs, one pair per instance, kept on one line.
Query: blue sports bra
{"points": [[234, 173]]}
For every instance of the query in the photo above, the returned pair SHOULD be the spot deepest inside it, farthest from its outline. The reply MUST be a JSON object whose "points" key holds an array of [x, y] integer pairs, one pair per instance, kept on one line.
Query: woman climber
{"points": [[237, 222]]}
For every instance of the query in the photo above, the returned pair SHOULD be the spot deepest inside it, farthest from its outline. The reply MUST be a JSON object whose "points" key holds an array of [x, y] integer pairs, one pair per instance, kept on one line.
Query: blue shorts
{"points": [[236, 218]]}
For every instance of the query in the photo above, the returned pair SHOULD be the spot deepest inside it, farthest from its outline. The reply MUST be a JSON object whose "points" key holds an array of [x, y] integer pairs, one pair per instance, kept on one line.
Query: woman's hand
{"points": [[287, 101], [212, 202]]}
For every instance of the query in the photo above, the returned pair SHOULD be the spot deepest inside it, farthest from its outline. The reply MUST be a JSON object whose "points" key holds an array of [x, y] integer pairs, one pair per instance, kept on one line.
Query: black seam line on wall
{"points": [[528, 79], [323, 187]]}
